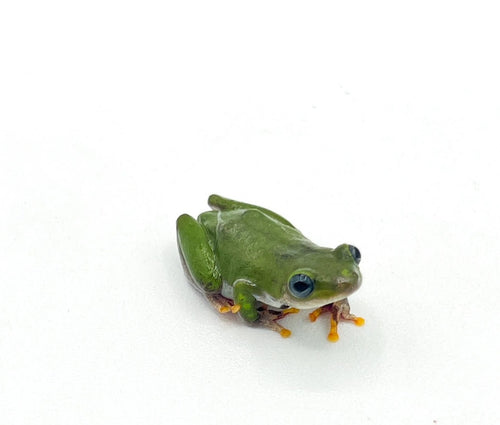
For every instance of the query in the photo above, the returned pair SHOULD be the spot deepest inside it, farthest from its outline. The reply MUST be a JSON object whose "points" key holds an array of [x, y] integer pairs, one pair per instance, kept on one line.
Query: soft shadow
{"points": [[308, 361]]}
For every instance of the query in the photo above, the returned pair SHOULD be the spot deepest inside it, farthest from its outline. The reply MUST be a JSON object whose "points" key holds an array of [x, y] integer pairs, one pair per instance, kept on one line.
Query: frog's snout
{"points": [[358, 280], [350, 280], [349, 277]]}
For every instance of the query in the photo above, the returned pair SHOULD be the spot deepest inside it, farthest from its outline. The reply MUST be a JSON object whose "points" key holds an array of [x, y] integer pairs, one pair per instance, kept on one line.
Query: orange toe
{"points": [[285, 333], [359, 321]]}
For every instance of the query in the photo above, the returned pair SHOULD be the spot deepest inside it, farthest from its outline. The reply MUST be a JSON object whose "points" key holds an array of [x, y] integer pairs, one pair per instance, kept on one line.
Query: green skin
{"points": [[248, 254]]}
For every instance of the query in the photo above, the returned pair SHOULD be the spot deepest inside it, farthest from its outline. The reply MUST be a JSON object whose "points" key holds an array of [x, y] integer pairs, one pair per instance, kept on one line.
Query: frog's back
{"points": [[252, 226], [250, 245]]}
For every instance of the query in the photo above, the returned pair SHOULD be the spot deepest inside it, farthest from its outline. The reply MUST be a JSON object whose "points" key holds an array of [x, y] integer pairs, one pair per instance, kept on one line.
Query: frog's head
{"points": [[327, 276]]}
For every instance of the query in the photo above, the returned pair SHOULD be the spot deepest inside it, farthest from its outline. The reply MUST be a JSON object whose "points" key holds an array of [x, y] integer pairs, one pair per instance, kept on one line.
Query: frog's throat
{"points": [[287, 300], [312, 303]]}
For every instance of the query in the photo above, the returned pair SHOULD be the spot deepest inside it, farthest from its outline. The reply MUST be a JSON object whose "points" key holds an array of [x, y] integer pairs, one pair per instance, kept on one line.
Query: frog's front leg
{"points": [[252, 312], [339, 310]]}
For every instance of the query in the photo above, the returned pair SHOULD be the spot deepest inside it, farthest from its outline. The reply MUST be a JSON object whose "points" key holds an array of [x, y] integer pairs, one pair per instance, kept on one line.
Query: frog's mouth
{"points": [[344, 280]]}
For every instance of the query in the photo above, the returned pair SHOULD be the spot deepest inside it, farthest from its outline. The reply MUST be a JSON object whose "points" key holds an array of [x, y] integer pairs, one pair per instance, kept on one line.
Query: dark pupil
{"points": [[301, 286], [355, 253]]}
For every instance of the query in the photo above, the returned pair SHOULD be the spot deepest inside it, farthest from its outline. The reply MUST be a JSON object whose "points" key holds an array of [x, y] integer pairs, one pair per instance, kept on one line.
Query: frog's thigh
{"points": [[208, 220], [197, 254]]}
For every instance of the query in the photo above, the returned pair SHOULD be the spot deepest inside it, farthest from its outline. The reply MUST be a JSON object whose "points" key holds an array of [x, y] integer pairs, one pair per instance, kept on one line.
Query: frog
{"points": [[251, 261]]}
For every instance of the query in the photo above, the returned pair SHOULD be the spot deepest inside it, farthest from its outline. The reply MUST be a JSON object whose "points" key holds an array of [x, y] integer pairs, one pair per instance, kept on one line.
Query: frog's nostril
{"points": [[355, 253]]}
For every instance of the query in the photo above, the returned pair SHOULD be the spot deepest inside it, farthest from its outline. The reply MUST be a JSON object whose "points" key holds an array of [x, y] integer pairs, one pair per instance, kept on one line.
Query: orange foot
{"points": [[339, 310]]}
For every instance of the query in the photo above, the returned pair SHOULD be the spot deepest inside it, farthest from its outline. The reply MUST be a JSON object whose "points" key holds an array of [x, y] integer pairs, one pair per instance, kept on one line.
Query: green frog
{"points": [[249, 260]]}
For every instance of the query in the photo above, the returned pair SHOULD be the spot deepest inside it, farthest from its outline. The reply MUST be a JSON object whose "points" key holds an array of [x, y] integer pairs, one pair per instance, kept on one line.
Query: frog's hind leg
{"points": [[197, 255], [224, 204], [223, 304], [198, 259], [208, 221], [269, 319]]}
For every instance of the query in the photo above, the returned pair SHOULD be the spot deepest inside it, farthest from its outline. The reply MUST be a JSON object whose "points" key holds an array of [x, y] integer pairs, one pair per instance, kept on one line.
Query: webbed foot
{"points": [[269, 318], [223, 304], [339, 310]]}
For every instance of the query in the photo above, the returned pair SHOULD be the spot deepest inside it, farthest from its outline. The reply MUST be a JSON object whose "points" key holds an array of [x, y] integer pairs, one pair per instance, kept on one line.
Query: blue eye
{"points": [[355, 253], [301, 285]]}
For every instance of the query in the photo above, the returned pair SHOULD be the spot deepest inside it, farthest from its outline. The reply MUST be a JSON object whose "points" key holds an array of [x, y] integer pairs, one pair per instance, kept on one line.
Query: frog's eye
{"points": [[355, 253], [301, 285]]}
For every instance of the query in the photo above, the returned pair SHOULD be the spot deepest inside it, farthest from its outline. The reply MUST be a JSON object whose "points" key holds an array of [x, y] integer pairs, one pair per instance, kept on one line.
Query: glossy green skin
{"points": [[248, 254]]}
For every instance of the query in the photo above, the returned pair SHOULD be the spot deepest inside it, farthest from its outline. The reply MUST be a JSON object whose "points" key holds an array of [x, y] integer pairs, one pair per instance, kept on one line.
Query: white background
{"points": [[368, 122]]}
